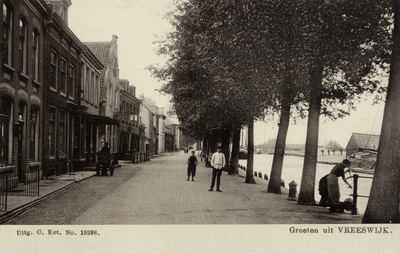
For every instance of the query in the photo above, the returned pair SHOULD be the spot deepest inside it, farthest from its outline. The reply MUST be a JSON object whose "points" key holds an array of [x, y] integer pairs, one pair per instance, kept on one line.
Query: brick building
{"points": [[107, 53], [90, 99], [22, 87], [128, 116], [64, 123]]}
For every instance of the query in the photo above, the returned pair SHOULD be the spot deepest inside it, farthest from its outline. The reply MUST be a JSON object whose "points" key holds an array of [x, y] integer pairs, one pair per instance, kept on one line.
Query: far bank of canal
{"points": [[292, 171]]}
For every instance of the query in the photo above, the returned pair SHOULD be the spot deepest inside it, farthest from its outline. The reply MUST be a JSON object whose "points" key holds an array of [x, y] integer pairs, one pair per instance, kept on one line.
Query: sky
{"points": [[138, 23], [367, 118]]}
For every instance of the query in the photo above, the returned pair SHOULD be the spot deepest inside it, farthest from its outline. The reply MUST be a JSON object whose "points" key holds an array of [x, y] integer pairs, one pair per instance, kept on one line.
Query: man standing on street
{"points": [[217, 164]]}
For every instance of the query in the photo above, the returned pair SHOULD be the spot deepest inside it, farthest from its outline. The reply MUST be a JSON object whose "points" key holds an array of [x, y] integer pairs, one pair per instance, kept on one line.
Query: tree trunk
{"points": [[202, 142], [212, 142], [383, 203], [233, 169], [307, 187], [226, 139], [250, 154], [206, 148], [274, 185]]}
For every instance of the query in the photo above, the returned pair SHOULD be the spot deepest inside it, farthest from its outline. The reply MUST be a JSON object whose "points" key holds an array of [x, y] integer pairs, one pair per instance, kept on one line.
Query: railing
{"points": [[140, 157], [354, 210], [22, 183], [68, 163], [3, 193]]}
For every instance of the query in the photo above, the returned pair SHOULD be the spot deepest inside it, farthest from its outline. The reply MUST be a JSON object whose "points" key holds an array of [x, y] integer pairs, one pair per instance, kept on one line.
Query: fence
{"points": [[19, 183], [140, 157], [3, 193], [355, 192]]}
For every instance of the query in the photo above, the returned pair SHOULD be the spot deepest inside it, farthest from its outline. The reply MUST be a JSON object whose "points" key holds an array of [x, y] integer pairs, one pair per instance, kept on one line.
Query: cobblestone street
{"points": [[63, 207], [152, 206], [157, 192]]}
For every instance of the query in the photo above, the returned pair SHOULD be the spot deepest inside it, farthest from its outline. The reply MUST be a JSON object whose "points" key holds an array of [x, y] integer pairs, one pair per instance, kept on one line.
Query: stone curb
{"points": [[8, 215]]}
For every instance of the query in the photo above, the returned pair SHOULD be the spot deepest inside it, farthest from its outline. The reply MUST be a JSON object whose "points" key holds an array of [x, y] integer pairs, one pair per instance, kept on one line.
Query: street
{"points": [[157, 192]]}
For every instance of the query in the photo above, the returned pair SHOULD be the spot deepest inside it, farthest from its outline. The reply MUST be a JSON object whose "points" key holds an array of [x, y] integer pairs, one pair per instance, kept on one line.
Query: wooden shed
{"points": [[362, 142]]}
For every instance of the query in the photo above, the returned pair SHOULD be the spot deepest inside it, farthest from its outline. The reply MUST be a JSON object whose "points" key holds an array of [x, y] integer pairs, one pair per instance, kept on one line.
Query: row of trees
{"points": [[235, 62]]}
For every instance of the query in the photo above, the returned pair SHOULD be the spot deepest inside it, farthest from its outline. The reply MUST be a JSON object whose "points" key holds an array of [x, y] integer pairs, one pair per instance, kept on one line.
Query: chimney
{"points": [[60, 7]]}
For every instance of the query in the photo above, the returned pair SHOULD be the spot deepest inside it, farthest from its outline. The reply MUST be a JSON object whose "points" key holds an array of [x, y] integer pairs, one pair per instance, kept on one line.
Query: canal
{"points": [[292, 171]]}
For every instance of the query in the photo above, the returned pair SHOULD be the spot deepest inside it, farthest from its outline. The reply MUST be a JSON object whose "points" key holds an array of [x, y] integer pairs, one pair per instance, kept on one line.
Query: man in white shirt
{"points": [[217, 163]]}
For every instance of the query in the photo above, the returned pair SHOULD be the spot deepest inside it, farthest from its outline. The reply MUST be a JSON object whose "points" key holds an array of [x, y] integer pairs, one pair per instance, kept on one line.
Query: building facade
{"points": [[169, 135], [145, 116], [151, 119], [107, 53], [64, 122], [61, 99], [22, 86], [129, 134], [91, 69], [161, 128]]}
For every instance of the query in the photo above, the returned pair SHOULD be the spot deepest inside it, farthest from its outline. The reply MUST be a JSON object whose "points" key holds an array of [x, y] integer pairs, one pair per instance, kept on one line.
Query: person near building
{"points": [[106, 148], [192, 163], [217, 164]]}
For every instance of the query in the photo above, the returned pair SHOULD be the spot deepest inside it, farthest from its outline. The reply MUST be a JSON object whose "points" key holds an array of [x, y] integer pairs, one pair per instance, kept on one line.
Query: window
{"points": [[63, 76], [5, 115], [7, 34], [122, 110], [110, 95], [71, 82], [21, 111], [22, 44], [96, 91], [62, 15], [35, 54], [34, 133], [116, 98], [87, 84], [92, 95], [61, 132], [79, 138], [83, 85], [115, 67], [54, 70], [52, 129]]}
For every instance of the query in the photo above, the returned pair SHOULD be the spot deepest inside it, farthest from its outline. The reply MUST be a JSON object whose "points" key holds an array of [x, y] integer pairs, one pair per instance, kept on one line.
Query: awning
{"points": [[101, 120]]}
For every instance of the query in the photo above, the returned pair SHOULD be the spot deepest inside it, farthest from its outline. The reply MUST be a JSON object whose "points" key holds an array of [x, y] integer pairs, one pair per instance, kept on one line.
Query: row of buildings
{"points": [[61, 99]]}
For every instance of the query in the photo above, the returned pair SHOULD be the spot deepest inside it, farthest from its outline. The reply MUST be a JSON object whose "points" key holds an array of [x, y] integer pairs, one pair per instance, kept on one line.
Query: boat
{"points": [[243, 145], [242, 154]]}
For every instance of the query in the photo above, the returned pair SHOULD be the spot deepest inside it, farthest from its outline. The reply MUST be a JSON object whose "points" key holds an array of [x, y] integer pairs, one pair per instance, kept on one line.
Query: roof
{"points": [[124, 83], [168, 121], [102, 51], [363, 140], [171, 121], [149, 102]]}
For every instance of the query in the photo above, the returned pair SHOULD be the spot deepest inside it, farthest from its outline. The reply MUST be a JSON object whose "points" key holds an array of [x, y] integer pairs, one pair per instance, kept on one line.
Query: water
{"points": [[292, 171]]}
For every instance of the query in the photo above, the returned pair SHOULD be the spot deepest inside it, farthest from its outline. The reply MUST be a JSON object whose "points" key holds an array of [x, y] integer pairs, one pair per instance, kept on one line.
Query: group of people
{"points": [[218, 162], [328, 185]]}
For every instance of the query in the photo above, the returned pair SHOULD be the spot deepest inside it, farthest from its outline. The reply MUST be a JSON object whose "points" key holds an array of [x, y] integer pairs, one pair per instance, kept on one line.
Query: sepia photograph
{"points": [[197, 126]]}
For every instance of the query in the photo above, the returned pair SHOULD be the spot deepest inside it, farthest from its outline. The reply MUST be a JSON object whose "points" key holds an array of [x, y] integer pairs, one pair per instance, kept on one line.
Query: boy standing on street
{"points": [[192, 163], [217, 164]]}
